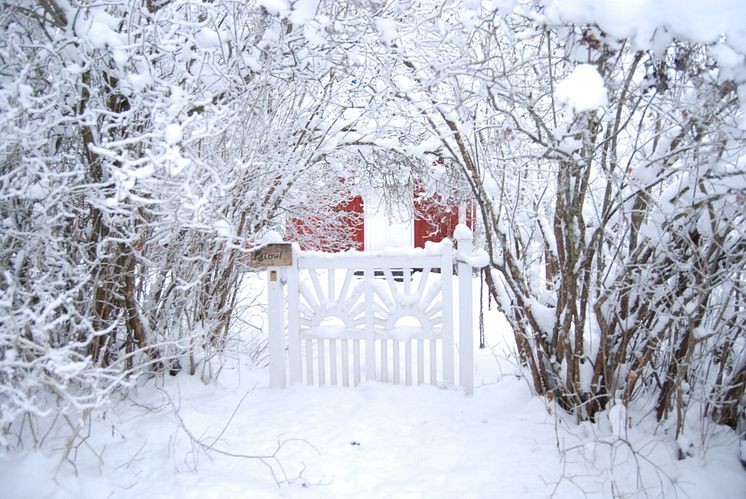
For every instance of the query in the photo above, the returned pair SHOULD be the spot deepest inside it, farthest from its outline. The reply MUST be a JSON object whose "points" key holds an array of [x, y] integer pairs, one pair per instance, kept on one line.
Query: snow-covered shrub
{"points": [[607, 159], [145, 146]]}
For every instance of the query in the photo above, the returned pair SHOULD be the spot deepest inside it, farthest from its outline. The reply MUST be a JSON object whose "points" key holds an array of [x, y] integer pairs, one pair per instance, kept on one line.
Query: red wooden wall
{"points": [[315, 234], [355, 221], [434, 220]]}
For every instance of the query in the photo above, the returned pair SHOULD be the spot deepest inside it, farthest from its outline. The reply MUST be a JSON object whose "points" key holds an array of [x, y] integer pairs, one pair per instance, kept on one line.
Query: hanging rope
{"points": [[489, 300], [481, 309]]}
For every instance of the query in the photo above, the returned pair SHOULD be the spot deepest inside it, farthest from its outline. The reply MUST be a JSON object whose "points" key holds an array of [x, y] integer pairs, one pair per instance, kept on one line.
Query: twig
{"points": [[230, 419], [265, 459]]}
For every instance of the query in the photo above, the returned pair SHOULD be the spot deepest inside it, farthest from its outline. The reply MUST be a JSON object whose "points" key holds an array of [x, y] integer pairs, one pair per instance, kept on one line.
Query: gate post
{"points": [[294, 355], [276, 257], [275, 327], [466, 339]]}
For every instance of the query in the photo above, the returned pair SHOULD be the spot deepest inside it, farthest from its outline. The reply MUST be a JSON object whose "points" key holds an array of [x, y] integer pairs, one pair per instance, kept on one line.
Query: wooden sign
{"points": [[272, 255]]}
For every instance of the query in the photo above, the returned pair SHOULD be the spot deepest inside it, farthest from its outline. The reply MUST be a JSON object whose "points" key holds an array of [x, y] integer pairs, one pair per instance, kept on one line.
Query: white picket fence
{"points": [[350, 318]]}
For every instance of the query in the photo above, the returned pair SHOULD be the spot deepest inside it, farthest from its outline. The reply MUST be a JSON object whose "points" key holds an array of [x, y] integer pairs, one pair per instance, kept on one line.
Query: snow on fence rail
{"points": [[385, 316]]}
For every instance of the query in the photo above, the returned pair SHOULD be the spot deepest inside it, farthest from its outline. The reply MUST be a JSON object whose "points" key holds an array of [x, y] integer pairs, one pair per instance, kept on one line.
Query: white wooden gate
{"points": [[385, 316]]}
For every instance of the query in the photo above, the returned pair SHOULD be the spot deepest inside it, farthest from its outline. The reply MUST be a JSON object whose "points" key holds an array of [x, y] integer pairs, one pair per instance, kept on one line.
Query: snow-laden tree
{"points": [[145, 146], [608, 167]]}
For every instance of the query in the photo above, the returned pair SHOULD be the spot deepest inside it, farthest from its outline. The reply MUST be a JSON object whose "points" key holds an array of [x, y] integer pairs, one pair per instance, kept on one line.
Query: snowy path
{"points": [[373, 441], [376, 441]]}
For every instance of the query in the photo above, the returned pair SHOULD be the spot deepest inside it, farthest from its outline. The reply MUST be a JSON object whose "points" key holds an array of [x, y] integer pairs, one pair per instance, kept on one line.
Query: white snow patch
{"points": [[644, 21], [142, 172], [388, 143], [313, 35], [138, 81], [544, 315], [491, 186], [174, 161], [207, 38], [387, 29], [403, 83], [303, 11], [479, 259], [274, 7], [618, 419], [271, 237], [570, 144], [583, 89], [173, 134], [223, 228], [462, 231], [726, 57]]}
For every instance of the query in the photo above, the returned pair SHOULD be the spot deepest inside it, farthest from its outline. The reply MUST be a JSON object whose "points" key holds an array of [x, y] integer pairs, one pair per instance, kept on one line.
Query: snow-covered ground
{"points": [[177, 437]]}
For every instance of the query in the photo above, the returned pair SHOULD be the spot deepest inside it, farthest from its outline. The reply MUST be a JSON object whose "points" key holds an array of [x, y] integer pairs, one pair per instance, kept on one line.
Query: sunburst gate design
{"points": [[379, 316], [376, 316], [400, 313]]}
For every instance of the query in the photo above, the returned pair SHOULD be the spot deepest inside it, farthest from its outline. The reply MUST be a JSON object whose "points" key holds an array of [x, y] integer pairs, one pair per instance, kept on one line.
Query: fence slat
{"points": [[356, 361], [408, 361], [333, 362], [322, 362], [447, 314], [384, 360], [395, 347], [466, 340], [309, 361], [316, 286], [346, 284], [370, 327], [294, 350], [345, 363], [422, 286], [433, 363], [420, 362], [275, 329]]}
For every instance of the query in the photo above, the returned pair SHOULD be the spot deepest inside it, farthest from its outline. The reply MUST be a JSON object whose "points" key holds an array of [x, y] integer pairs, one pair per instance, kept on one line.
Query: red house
{"points": [[362, 222]]}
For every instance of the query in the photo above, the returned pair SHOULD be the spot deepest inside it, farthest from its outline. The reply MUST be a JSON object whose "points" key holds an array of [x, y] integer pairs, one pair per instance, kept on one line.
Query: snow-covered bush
{"points": [[606, 153], [145, 146]]}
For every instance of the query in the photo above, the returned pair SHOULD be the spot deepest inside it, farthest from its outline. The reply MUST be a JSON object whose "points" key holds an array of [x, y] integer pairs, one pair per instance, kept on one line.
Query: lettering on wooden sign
{"points": [[272, 255]]}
